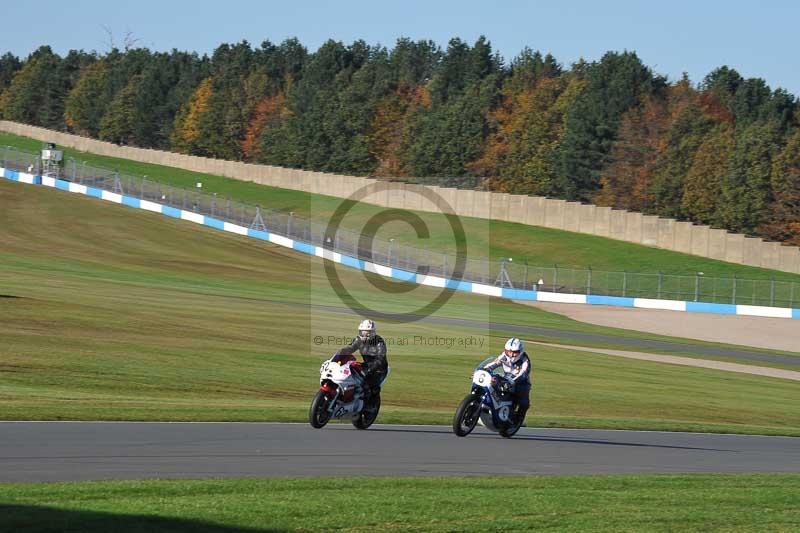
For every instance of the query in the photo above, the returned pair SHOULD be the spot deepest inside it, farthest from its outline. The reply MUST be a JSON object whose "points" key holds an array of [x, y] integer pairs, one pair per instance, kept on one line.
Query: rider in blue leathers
{"points": [[517, 367]]}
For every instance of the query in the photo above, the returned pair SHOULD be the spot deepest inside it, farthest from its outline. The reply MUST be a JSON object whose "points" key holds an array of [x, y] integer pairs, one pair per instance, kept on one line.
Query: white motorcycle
{"points": [[342, 392], [489, 402]]}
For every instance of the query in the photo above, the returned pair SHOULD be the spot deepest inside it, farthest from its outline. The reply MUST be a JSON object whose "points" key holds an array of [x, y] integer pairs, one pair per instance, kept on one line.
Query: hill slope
{"points": [[112, 313], [496, 239]]}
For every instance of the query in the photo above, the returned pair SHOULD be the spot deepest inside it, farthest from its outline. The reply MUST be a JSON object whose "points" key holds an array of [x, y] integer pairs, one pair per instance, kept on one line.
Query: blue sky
{"points": [[759, 39]]}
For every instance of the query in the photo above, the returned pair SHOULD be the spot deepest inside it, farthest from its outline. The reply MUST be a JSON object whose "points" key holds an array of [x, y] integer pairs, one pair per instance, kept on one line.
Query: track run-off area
{"points": [[76, 451]]}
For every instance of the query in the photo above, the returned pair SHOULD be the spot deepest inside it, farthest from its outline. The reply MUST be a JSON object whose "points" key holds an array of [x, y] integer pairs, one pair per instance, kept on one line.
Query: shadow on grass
{"points": [[9, 296], [33, 518]]}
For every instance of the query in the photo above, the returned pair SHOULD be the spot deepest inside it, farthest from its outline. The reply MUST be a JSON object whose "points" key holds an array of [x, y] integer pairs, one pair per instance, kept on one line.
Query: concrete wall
{"points": [[532, 210], [717, 244]]}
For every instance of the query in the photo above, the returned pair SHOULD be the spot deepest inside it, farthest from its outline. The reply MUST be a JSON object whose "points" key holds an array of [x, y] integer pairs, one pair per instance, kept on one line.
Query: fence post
{"points": [[589, 281], [624, 283], [289, 224], [555, 277], [141, 190], [791, 296], [444, 265], [5, 156], [696, 285], [660, 278], [391, 243], [733, 298], [74, 171], [525, 278], [772, 291]]}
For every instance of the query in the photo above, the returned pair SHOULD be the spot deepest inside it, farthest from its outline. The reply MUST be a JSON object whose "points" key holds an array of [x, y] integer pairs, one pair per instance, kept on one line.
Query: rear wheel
{"points": [[518, 418], [367, 416], [318, 414], [466, 415]]}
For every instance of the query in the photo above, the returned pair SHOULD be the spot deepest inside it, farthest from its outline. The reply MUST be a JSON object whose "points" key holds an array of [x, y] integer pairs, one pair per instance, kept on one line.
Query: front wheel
{"points": [[318, 414], [466, 415], [367, 416]]}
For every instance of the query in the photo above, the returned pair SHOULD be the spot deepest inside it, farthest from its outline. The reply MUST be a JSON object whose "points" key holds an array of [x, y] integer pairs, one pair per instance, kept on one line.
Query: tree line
{"points": [[724, 151]]}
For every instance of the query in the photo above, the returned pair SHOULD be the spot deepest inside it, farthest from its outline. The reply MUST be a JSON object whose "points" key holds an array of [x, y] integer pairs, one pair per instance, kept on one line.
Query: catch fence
{"points": [[503, 273]]}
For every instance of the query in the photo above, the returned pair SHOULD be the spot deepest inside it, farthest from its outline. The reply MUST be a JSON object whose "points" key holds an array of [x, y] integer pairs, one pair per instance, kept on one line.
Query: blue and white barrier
{"points": [[403, 275]]}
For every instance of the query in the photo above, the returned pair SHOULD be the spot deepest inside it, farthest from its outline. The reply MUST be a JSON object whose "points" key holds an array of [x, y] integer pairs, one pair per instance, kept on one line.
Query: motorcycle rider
{"points": [[517, 367], [372, 348]]}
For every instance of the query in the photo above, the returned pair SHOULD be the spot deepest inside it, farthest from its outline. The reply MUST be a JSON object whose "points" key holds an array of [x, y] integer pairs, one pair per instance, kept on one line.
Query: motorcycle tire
{"points": [[467, 415], [367, 416], [318, 414], [511, 430]]}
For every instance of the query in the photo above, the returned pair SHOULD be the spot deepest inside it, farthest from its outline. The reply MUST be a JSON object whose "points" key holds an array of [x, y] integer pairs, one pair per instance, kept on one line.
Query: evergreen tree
{"points": [[119, 124], [9, 65], [613, 85], [442, 141], [745, 186], [86, 103], [32, 96], [702, 191]]}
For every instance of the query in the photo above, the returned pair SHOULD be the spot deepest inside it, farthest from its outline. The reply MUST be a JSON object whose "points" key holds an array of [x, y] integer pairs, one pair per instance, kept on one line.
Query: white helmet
{"points": [[514, 349], [366, 330]]}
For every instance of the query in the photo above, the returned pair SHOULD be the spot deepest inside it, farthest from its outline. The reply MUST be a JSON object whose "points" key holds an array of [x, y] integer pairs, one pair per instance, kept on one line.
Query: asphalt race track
{"points": [[66, 451]]}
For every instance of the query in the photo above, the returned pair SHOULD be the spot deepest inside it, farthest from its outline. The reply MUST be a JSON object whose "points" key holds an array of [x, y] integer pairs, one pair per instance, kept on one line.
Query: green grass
{"points": [[540, 246], [702, 502], [120, 314]]}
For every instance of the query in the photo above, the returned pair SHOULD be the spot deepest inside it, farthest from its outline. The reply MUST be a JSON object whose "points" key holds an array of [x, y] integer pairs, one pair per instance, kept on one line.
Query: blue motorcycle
{"points": [[490, 402]]}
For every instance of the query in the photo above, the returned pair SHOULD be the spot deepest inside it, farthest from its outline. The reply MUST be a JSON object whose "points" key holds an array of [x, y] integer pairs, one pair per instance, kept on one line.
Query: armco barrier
{"points": [[402, 275]]}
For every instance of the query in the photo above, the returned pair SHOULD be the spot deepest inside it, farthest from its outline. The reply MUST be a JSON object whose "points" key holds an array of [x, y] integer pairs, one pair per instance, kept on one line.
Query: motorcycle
{"points": [[343, 391], [490, 402]]}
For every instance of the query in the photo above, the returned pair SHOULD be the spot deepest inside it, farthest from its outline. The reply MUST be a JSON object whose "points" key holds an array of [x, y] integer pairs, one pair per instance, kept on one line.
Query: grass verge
{"points": [[720, 502]]}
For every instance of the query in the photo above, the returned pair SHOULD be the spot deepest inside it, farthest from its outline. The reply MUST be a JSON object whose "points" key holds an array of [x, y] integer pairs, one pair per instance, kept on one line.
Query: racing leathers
{"points": [[373, 351], [518, 373]]}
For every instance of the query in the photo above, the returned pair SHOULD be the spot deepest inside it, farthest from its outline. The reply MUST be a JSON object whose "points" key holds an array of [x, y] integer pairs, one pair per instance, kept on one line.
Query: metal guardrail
{"points": [[518, 275]]}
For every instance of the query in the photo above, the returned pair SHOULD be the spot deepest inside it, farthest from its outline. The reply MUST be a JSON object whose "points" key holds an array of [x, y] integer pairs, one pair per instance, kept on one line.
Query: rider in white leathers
{"points": [[517, 367]]}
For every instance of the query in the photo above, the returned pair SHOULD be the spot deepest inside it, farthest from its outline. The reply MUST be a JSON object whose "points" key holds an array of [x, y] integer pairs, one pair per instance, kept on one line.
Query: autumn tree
{"points": [[783, 220], [626, 182], [186, 133], [270, 113]]}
